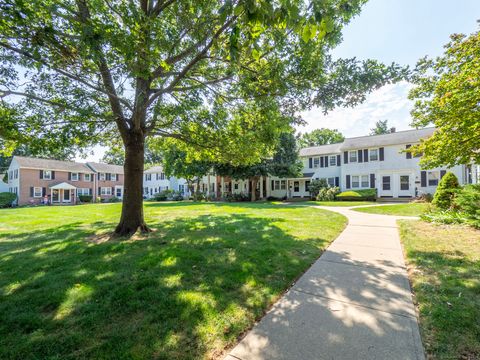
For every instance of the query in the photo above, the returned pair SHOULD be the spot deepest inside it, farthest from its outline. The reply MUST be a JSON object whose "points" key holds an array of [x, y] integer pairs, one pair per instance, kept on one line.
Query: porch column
{"points": [[208, 185], [261, 187], [222, 186]]}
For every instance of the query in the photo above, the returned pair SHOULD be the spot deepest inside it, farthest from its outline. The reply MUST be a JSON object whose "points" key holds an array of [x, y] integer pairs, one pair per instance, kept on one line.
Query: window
{"points": [[106, 191], [37, 192], [352, 156], [331, 181], [83, 191], [433, 177], [404, 182], [47, 175], [373, 154], [296, 186], [235, 186], [10, 176], [87, 177], [118, 192], [181, 189], [316, 162], [276, 185], [145, 190], [15, 173], [283, 185], [355, 181], [386, 182], [113, 177], [307, 186], [333, 160], [102, 176], [74, 177], [148, 177], [365, 181]]}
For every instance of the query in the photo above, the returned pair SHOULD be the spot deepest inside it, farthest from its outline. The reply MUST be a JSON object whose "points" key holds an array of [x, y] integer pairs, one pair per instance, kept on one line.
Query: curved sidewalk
{"points": [[353, 303]]}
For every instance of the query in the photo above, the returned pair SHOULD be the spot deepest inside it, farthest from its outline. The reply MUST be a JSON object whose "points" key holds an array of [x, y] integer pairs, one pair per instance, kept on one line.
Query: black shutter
{"points": [[372, 181], [91, 177], [321, 161], [44, 191], [338, 160], [348, 182], [382, 153], [31, 191], [113, 191], [423, 179], [69, 176], [271, 187], [90, 191], [53, 175], [337, 181], [360, 156], [326, 161], [41, 174], [365, 155], [310, 163], [442, 173], [345, 157], [99, 191], [408, 154]]}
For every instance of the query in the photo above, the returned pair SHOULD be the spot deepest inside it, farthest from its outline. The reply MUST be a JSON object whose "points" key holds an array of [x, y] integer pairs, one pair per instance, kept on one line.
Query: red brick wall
{"points": [[108, 183]]}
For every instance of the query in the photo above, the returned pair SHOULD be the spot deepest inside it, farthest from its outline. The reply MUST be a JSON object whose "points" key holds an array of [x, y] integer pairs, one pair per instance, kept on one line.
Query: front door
{"points": [[119, 192], [55, 195], [66, 196], [386, 186], [405, 188]]}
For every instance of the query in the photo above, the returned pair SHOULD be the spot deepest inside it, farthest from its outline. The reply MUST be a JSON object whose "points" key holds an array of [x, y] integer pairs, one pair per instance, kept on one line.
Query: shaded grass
{"points": [[410, 209], [186, 291], [445, 274]]}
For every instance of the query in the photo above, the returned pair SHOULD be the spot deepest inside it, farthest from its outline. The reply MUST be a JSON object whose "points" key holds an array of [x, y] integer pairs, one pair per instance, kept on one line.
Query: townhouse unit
{"points": [[37, 181], [155, 181]]}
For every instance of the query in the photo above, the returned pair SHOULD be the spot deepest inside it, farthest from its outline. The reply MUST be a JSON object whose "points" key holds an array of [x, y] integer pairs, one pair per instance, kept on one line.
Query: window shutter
{"points": [[321, 161], [365, 155], [31, 191], [382, 153], [113, 191], [310, 163], [44, 191], [91, 177], [372, 181], [345, 157], [69, 176], [90, 191], [53, 175], [348, 182], [442, 173], [41, 174], [423, 179], [360, 156], [272, 187], [337, 181], [338, 160], [326, 161], [99, 191], [408, 154]]}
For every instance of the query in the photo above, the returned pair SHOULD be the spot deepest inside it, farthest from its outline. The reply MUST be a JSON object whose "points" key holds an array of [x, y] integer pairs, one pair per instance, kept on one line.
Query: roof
{"points": [[63, 185], [154, 169], [321, 150], [49, 164], [106, 168], [400, 137], [308, 175]]}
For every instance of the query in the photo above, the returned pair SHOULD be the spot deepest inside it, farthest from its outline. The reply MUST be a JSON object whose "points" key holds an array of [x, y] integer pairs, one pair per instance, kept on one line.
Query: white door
{"points": [[405, 187], [66, 196], [386, 185], [119, 191]]}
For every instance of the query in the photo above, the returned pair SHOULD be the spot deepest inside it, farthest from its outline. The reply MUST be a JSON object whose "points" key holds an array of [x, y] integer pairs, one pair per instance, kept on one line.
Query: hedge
{"points": [[357, 195], [6, 199]]}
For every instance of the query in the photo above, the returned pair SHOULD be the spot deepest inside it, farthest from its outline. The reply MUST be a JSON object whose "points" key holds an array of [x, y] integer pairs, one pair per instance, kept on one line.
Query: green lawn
{"points": [[410, 209], [445, 274], [186, 291]]}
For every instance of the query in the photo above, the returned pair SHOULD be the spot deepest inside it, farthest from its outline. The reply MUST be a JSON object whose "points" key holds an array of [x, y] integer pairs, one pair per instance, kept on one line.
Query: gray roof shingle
{"points": [[49, 164], [105, 168], [321, 150]]}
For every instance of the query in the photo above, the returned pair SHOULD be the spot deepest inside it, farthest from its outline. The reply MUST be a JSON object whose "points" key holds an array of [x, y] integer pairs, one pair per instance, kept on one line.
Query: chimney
{"points": [[392, 130]]}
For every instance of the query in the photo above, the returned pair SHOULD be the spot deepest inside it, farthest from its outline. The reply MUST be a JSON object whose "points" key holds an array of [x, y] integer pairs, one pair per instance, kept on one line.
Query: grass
{"points": [[186, 291], [410, 209], [445, 275], [342, 203]]}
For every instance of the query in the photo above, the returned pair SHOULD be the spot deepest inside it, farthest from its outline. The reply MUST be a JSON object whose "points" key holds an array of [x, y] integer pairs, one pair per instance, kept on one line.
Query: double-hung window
{"points": [[283, 184], [37, 192], [102, 177], [331, 181], [333, 160], [276, 185], [148, 177], [74, 176], [355, 181], [433, 177], [316, 162], [352, 156], [87, 177], [373, 154], [47, 175], [365, 181], [106, 191]]}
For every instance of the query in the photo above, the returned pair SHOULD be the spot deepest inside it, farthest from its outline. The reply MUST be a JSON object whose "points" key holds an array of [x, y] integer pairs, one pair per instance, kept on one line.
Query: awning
{"points": [[63, 186]]}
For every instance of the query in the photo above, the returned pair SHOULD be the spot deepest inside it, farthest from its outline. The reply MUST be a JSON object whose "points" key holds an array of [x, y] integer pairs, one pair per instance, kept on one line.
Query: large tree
{"points": [[447, 95], [381, 127], [319, 137], [215, 74]]}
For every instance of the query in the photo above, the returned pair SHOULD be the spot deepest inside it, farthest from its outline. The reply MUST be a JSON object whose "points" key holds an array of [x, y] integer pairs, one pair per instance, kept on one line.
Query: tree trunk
{"points": [[254, 189], [132, 210]]}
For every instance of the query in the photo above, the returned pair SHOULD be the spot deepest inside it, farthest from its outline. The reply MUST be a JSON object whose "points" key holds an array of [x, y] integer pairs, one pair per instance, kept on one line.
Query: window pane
{"points": [[373, 154], [433, 177], [333, 160], [331, 181], [316, 162], [365, 181], [386, 182], [353, 156], [404, 182], [355, 181], [283, 184]]}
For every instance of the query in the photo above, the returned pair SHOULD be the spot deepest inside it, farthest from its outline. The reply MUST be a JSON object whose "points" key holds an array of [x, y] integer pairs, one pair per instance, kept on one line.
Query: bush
{"points": [[328, 194], [163, 195], [236, 197], [446, 190], [6, 199], [467, 201], [113, 199], [315, 186], [424, 198], [85, 198], [177, 196], [449, 216], [358, 195]]}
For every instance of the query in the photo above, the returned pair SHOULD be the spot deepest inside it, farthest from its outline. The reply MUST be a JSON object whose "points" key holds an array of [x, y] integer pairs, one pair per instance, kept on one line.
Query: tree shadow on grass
{"points": [[185, 292]]}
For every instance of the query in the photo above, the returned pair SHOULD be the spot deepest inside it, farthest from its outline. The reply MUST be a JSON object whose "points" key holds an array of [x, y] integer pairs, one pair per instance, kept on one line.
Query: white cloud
{"points": [[389, 102]]}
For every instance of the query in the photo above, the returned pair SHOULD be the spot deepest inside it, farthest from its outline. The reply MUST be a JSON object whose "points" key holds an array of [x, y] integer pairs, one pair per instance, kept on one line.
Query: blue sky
{"points": [[400, 31]]}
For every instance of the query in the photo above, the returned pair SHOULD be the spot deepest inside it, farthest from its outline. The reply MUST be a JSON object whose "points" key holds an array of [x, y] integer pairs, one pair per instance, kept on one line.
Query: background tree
{"points": [[203, 72], [319, 137], [115, 154], [447, 96], [381, 127]]}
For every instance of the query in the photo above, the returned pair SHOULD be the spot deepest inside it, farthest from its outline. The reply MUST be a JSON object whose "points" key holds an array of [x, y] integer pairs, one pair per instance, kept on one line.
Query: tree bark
{"points": [[254, 189], [132, 210]]}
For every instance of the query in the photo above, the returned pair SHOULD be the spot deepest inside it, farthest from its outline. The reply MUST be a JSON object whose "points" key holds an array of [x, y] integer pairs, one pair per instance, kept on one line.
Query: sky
{"points": [[400, 31]]}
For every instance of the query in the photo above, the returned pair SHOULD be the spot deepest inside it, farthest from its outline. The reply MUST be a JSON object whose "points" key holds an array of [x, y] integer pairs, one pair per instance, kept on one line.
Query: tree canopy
{"points": [[381, 127], [447, 96], [223, 76], [319, 137]]}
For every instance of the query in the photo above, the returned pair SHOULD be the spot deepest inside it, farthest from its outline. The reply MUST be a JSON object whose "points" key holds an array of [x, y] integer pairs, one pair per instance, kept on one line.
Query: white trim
{"points": [[35, 190]]}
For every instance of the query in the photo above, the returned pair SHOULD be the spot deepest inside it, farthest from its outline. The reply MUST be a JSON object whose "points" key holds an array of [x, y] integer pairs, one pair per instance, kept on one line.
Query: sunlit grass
{"points": [[410, 209], [185, 291]]}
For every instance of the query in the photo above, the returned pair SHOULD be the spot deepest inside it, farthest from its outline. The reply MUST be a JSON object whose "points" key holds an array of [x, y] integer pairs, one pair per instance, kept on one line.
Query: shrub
{"points": [[328, 194], [449, 216], [113, 199], [354, 195], [424, 198], [85, 198], [446, 190], [467, 201], [315, 186], [163, 195], [6, 199], [177, 196]]}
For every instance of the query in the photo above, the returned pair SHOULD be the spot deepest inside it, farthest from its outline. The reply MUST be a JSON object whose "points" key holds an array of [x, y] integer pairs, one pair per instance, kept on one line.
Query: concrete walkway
{"points": [[353, 303]]}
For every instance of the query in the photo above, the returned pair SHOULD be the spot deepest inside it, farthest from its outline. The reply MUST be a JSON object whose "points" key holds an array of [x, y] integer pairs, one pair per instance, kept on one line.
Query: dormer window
{"points": [[352, 156]]}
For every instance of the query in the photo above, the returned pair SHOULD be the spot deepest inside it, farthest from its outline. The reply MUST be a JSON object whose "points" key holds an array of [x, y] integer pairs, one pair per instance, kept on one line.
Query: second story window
{"points": [[373, 154], [316, 162], [333, 160], [87, 177], [101, 176], [148, 177], [352, 156], [113, 177], [15, 173], [47, 175], [75, 177]]}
